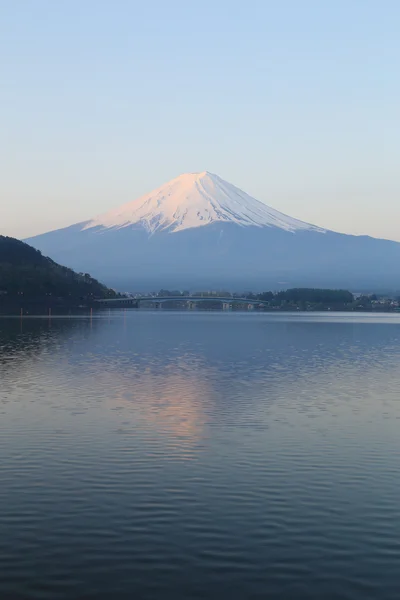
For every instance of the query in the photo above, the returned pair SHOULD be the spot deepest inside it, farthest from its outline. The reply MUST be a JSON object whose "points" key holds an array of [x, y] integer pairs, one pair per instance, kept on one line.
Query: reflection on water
{"points": [[192, 455], [170, 404]]}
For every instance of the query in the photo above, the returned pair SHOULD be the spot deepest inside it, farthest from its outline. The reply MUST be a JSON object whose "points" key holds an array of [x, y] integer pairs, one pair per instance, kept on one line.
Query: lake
{"points": [[185, 455]]}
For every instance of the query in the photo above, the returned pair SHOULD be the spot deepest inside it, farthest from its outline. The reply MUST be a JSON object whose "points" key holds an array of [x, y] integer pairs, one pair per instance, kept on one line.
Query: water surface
{"points": [[200, 455]]}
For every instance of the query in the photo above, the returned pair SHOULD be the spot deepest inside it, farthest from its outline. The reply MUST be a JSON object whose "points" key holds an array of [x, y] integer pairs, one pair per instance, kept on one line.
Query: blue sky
{"points": [[297, 103]]}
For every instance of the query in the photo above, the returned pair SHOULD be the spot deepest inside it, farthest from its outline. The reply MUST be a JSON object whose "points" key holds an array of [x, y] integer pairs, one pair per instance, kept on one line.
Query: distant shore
{"points": [[291, 300]]}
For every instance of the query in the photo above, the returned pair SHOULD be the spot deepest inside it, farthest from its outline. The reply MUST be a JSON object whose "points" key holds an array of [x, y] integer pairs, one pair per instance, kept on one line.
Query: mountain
{"points": [[201, 231], [28, 276], [195, 200]]}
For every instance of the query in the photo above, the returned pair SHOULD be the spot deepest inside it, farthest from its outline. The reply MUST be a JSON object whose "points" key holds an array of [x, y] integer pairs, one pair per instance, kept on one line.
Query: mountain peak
{"points": [[195, 200]]}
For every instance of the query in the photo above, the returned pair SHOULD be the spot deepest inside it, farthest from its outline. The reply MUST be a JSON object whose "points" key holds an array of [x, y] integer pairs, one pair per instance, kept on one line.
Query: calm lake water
{"points": [[200, 455]]}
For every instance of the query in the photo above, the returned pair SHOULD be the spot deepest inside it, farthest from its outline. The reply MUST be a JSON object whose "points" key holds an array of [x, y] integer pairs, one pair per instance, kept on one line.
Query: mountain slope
{"points": [[199, 231], [26, 273]]}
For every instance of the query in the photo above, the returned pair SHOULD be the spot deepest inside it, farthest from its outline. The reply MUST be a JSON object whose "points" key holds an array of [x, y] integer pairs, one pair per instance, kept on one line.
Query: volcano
{"points": [[199, 231]]}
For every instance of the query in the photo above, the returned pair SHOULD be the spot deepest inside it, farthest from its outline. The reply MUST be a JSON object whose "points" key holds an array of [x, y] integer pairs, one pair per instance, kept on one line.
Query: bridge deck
{"points": [[153, 299]]}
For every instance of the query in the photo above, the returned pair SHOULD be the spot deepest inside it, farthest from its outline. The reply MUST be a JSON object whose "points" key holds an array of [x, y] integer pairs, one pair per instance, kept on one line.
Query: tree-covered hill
{"points": [[25, 274]]}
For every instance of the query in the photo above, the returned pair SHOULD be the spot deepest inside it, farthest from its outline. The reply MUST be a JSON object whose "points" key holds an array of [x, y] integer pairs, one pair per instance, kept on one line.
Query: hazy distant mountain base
{"points": [[225, 255]]}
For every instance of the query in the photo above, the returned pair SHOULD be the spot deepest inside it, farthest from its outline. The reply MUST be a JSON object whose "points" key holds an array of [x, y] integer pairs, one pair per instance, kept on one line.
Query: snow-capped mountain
{"points": [[195, 200], [199, 231]]}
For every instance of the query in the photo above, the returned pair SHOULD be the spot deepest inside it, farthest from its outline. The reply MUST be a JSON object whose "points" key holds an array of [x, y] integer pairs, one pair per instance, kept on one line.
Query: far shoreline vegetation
{"points": [[293, 299]]}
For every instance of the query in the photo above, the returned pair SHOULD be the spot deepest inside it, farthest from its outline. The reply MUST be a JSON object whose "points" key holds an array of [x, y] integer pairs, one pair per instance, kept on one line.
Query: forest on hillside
{"points": [[26, 276]]}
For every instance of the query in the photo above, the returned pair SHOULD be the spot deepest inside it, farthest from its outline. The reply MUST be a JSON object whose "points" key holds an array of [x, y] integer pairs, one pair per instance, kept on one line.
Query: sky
{"points": [[297, 103]]}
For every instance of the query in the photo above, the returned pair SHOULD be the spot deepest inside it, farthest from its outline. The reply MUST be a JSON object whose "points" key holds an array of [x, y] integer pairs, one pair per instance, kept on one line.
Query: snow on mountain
{"points": [[194, 200]]}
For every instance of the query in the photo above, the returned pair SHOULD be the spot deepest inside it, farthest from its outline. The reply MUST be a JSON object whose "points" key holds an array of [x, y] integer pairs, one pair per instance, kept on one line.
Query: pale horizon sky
{"points": [[297, 103]]}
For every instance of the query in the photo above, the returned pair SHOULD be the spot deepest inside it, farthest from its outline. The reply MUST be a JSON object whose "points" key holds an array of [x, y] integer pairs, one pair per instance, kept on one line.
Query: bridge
{"points": [[191, 301]]}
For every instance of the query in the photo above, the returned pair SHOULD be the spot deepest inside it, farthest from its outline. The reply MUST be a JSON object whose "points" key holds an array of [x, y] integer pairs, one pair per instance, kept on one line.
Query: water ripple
{"points": [[182, 455]]}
